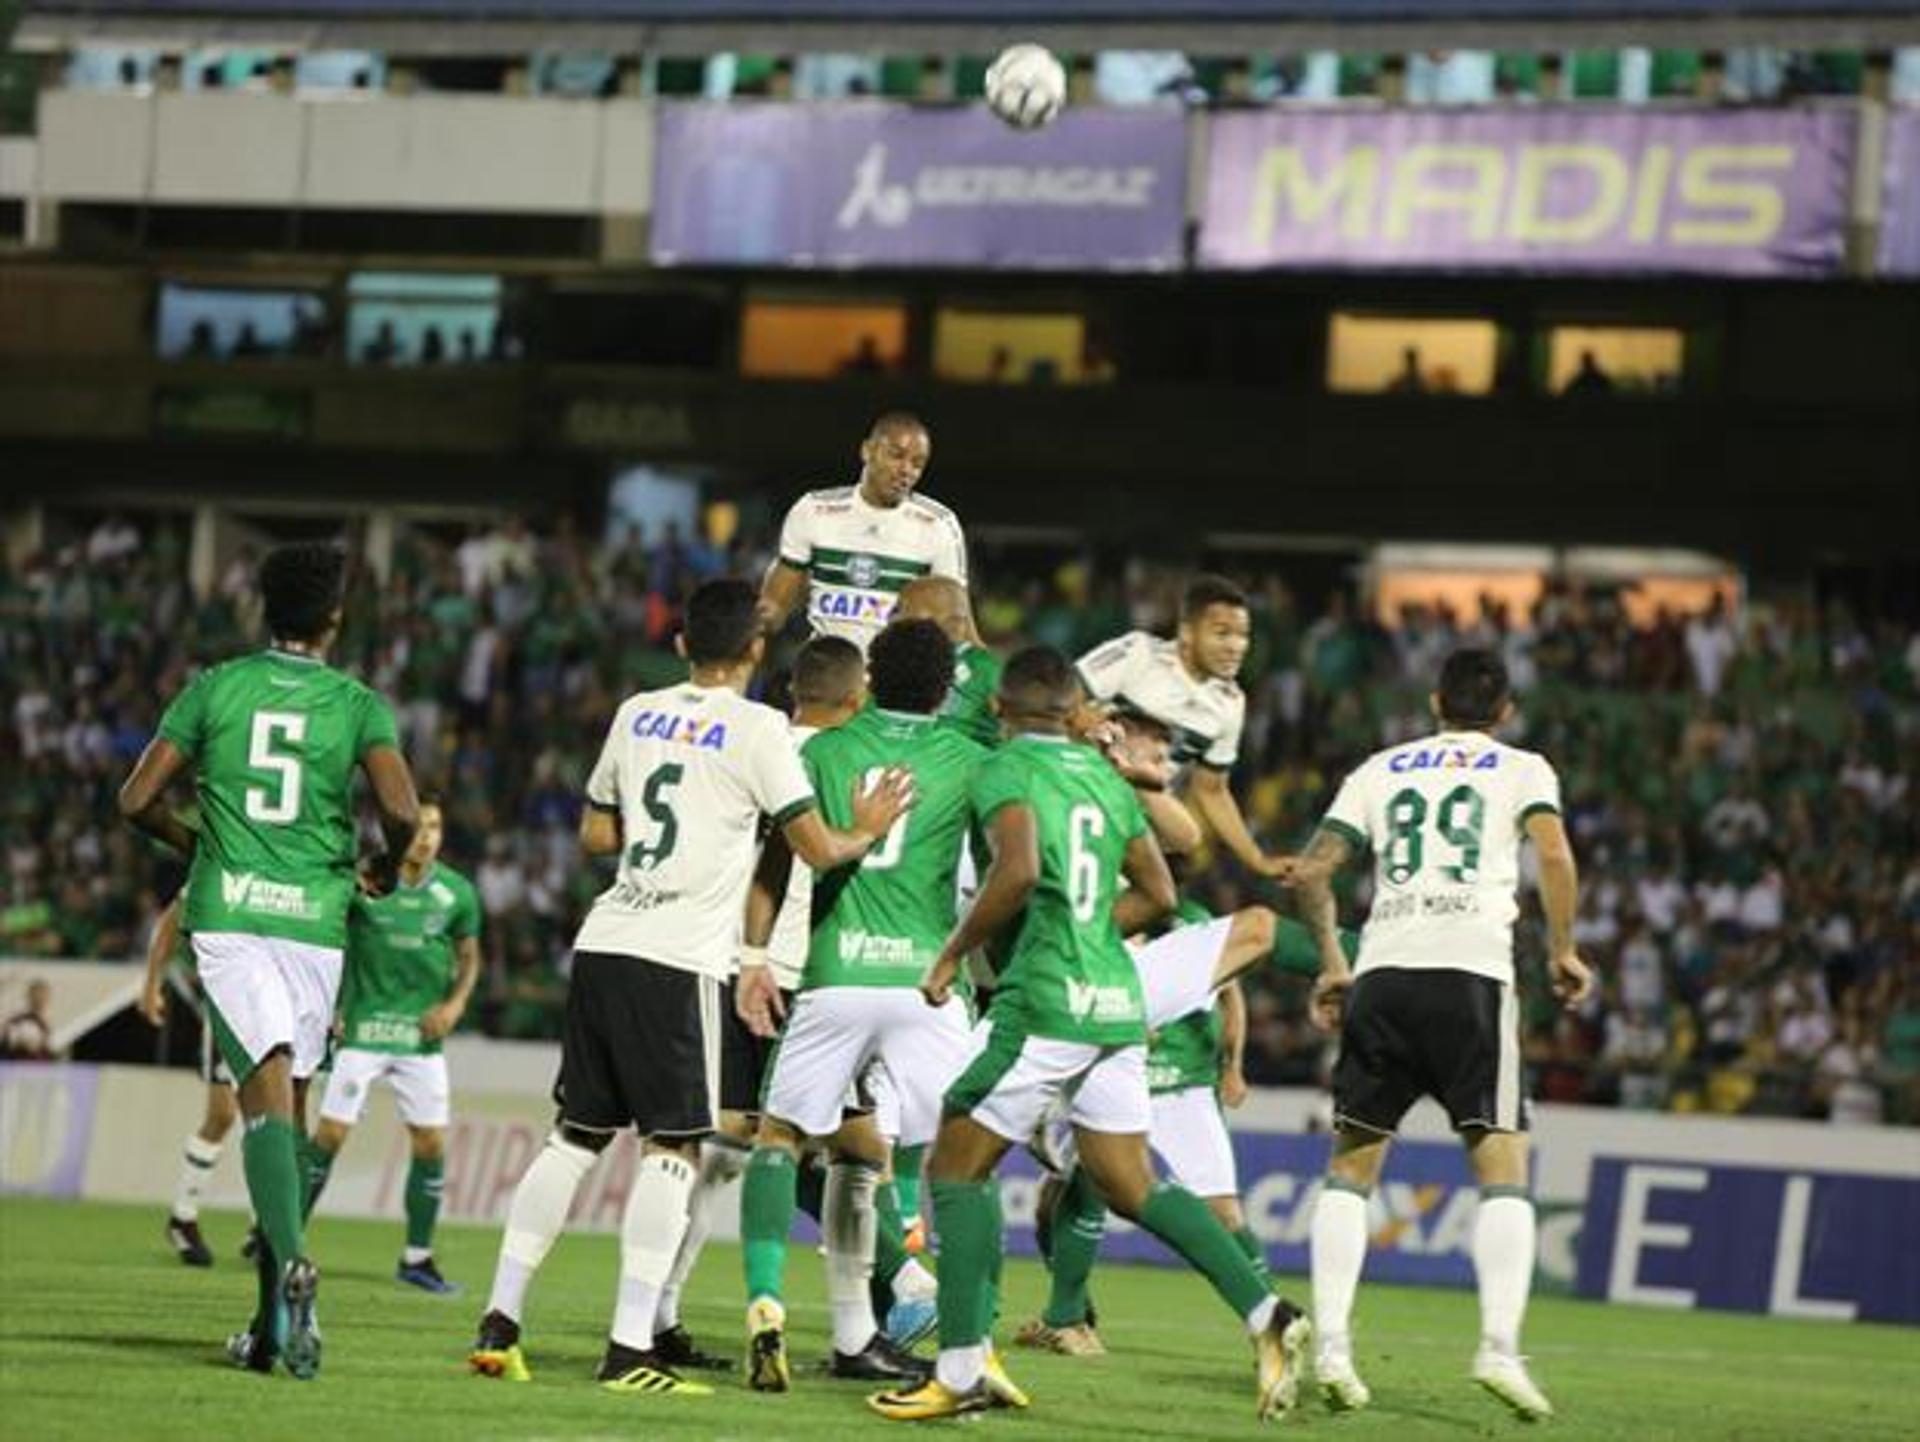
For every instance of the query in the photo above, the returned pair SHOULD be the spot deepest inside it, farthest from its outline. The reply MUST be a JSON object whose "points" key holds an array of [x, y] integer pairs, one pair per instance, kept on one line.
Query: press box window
{"points": [[1411, 355], [1635, 360], [800, 340], [1016, 347]]}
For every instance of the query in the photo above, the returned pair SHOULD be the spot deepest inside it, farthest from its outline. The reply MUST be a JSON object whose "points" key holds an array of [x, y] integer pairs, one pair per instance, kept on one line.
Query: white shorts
{"points": [[419, 1084], [1189, 1134], [265, 992], [1017, 1078], [1176, 971], [834, 1033]]}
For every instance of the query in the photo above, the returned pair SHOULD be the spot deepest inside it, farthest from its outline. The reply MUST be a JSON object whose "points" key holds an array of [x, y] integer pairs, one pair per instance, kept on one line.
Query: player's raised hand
{"points": [[1572, 979], [153, 1001], [1330, 990], [937, 985], [881, 798], [756, 998]]}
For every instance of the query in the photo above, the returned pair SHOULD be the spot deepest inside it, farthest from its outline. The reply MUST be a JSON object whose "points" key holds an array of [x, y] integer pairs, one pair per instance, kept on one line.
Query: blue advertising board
{"points": [[1752, 1239]]}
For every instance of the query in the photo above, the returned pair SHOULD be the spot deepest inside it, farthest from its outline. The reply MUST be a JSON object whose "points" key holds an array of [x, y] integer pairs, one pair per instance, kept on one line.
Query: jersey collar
{"points": [[301, 656]]}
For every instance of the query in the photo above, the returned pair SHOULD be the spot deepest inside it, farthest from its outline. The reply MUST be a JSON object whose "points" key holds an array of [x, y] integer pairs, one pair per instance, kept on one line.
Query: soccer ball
{"points": [[1026, 86]]}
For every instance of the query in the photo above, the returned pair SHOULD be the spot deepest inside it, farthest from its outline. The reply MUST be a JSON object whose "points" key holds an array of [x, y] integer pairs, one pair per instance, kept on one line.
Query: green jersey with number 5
{"points": [[883, 921], [1069, 975], [1444, 816], [274, 738], [689, 772]]}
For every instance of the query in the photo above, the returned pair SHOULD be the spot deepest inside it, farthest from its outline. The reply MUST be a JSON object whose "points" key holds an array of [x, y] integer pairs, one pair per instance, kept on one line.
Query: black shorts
{"points": [[744, 1058], [640, 1047], [1450, 1035]]}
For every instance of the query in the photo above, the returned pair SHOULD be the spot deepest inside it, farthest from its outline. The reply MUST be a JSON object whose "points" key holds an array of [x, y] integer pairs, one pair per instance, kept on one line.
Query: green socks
{"points": [[424, 1184], [967, 1217], [890, 1237], [1079, 1222], [767, 1205], [907, 1164], [316, 1165], [270, 1154], [1181, 1220], [1257, 1254]]}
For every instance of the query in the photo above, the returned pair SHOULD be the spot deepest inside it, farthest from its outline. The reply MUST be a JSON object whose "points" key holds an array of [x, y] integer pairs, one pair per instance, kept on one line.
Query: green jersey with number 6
{"points": [[1445, 816], [274, 738], [1069, 976], [401, 959], [882, 922]]}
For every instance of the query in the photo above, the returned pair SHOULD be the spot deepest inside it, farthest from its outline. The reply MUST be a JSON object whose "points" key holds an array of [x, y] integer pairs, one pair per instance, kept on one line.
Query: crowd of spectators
{"points": [[1739, 782]]}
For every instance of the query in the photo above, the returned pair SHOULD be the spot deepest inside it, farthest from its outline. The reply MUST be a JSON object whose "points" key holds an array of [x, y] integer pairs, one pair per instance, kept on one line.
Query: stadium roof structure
{"points": [[467, 27]]}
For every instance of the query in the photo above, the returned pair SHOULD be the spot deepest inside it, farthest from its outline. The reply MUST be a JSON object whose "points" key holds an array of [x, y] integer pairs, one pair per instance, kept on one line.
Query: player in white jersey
{"points": [[1430, 1008], [847, 552], [829, 688], [677, 795], [1188, 685]]}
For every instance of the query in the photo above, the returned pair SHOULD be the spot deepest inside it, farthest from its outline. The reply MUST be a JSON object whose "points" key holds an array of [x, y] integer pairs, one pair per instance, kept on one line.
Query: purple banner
{"points": [[1422, 1211], [1726, 192], [1900, 200], [46, 1121], [872, 183]]}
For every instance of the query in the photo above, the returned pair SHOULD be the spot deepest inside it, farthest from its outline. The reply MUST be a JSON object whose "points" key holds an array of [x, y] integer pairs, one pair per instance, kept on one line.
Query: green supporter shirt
{"points": [[1069, 976], [882, 921], [402, 958], [274, 738], [969, 708]]}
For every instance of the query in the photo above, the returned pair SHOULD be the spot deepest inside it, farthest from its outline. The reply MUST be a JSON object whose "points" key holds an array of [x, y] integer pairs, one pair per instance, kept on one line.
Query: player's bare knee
{"points": [[1227, 1211], [429, 1144], [1253, 930], [330, 1136], [964, 1151], [592, 1140], [778, 1135], [1357, 1158], [1499, 1159], [686, 1148]]}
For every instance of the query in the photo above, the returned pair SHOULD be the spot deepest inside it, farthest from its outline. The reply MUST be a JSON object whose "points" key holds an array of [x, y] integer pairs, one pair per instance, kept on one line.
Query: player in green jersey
{"points": [[976, 670], [1068, 1019], [877, 927], [1192, 1069], [413, 957], [272, 741]]}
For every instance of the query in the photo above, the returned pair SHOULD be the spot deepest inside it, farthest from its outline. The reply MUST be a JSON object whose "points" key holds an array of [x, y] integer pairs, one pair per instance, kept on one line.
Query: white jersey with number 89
{"points": [[690, 770], [1444, 817]]}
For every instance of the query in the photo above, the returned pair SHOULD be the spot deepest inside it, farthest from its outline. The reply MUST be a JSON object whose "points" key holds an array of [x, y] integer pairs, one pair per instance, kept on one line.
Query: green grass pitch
{"points": [[103, 1335]]}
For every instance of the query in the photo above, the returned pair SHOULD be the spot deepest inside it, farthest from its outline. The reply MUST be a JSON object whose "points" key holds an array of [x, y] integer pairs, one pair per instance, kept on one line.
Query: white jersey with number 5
{"points": [[690, 770], [1444, 816]]}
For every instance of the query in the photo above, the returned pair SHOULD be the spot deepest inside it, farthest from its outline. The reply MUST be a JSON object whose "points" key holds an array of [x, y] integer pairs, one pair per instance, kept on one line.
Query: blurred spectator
{"points": [[28, 1034]]}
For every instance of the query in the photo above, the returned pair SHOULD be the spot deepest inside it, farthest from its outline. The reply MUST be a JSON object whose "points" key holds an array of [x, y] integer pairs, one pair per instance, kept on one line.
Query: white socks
{"points": [[1503, 1248], [651, 1231], [535, 1218], [959, 1368], [196, 1166], [848, 1221], [720, 1163], [1339, 1251]]}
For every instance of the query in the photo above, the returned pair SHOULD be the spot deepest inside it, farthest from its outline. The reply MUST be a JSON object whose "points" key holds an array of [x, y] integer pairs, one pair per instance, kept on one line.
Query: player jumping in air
{"points": [[847, 552], [677, 796], [1431, 1008], [877, 928], [272, 741], [413, 956], [1067, 1019]]}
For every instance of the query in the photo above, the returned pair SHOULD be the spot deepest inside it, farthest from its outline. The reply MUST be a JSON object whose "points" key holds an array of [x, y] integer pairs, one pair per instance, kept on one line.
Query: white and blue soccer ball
{"points": [[1026, 86]]}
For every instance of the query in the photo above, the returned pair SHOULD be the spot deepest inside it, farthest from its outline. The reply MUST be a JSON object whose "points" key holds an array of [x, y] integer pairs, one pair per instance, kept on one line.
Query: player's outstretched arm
{"points": [[1559, 899], [153, 986], [142, 797], [784, 588], [1011, 876], [1313, 872], [1209, 794], [876, 807], [399, 807], [1150, 895]]}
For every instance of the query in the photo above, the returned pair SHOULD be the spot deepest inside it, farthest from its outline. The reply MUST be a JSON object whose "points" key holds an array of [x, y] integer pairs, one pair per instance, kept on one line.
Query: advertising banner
{"points": [[46, 1127], [1752, 1239], [886, 184], [1900, 201], [1593, 188]]}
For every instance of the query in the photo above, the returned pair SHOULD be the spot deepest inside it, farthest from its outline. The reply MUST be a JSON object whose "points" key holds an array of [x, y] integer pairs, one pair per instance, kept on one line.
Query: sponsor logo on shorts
{"points": [[245, 891]]}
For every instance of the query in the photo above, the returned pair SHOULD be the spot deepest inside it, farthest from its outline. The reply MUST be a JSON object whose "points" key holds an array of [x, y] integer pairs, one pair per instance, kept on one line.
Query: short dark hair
{"points": [[890, 421], [301, 586], [910, 667], [1206, 591], [827, 671], [1039, 681], [721, 622], [1473, 688]]}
